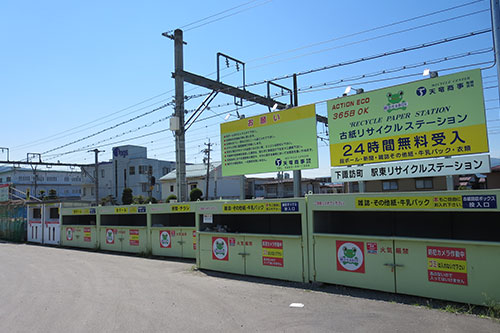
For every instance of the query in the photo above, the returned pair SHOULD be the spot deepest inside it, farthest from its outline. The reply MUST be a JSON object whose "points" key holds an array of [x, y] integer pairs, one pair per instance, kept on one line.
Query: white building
{"points": [[66, 184], [196, 174], [129, 167]]}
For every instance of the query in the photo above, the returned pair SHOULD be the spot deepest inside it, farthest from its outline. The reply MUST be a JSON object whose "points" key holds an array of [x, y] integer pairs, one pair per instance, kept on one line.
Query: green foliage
{"points": [[195, 194], [127, 197], [171, 197], [52, 194], [108, 200], [139, 200]]}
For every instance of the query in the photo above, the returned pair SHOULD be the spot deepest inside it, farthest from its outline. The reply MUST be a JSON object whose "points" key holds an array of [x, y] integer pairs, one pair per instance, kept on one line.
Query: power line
{"points": [[366, 31]]}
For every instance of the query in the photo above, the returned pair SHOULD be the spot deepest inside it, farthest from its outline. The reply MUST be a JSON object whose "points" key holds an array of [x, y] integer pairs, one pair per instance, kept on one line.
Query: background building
{"points": [[66, 184], [129, 167]]}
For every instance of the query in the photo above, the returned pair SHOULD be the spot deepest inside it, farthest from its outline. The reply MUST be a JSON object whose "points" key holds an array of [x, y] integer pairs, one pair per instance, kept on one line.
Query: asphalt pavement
{"points": [[48, 289]]}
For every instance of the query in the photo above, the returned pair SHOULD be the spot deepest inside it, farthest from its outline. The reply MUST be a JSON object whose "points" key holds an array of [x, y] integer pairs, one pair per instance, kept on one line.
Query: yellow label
{"points": [[252, 207], [133, 209], [447, 142], [181, 208], [273, 253], [423, 202], [447, 265], [267, 119], [81, 211], [134, 237], [121, 210]]}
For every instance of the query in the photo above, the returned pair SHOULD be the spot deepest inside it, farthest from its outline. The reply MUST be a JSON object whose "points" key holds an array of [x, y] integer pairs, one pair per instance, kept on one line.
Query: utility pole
{"points": [[96, 178], [180, 141], [297, 174], [495, 21], [206, 159]]}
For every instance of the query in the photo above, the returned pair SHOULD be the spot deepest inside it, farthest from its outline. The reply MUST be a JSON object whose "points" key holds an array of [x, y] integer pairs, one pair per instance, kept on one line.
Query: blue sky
{"points": [[70, 69]]}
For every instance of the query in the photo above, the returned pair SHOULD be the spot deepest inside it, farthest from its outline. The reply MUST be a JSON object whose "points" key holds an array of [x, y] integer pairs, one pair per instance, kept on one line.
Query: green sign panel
{"points": [[442, 116], [271, 142]]}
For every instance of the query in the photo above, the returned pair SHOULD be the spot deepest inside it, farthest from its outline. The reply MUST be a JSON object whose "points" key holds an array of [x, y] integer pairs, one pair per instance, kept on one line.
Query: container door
{"points": [[109, 238], [357, 262], [51, 233], [35, 224], [222, 252], [166, 241], [189, 242], [448, 270], [275, 257], [134, 239]]}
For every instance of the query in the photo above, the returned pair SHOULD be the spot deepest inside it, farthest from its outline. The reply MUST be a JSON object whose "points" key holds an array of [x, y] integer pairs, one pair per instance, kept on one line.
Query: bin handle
{"points": [[243, 254]]}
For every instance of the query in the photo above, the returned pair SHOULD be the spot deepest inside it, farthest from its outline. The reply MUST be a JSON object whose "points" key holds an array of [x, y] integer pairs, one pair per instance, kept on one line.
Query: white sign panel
{"points": [[208, 218], [414, 169]]}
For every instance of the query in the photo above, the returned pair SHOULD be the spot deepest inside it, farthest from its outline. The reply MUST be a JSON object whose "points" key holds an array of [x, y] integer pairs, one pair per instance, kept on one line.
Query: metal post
{"points": [[180, 142], [96, 152], [242, 187], [297, 175], [495, 21]]}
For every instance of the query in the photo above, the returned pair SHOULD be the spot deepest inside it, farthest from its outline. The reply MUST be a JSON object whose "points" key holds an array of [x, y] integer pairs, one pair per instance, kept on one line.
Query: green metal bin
{"points": [[124, 229], [266, 238], [173, 229], [442, 245], [79, 227]]}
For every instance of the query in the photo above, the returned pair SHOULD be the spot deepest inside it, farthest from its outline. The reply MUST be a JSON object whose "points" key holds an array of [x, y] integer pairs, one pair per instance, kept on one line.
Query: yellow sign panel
{"points": [[272, 253], [121, 210], [446, 142], [85, 211], [133, 209], [252, 207], [181, 208], [407, 202], [446, 265]]}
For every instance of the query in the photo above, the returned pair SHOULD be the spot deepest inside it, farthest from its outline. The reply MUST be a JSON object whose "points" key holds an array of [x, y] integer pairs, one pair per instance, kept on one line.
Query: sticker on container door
{"points": [[194, 239], [87, 236], [165, 239], [220, 250], [69, 234], [272, 253], [350, 256], [447, 265], [134, 237], [110, 236]]}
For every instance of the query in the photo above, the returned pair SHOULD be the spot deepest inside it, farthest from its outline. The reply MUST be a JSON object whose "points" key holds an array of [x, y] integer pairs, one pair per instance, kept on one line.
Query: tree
{"points": [[127, 197], [108, 200], [139, 200], [52, 194], [171, 197], [195, 194]]}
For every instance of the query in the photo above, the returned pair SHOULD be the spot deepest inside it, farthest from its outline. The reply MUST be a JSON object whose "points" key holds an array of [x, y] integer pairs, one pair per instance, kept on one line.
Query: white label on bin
{"points": [[208, 218]]}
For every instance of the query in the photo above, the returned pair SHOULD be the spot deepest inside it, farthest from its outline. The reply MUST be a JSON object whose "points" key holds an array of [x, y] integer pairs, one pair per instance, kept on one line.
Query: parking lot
{"points": [[65, 290]]}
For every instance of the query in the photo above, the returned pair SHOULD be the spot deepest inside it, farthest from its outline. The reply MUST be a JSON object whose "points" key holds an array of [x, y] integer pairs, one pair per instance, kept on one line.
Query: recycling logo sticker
{"points": [[69, 234], [110, 236], [220, 250], [350, 256], [165, 239]]}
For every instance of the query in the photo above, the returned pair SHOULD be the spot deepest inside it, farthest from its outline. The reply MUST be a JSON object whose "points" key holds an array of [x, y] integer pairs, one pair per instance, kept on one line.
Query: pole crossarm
{"points": [[230, 90], [46, 164]]}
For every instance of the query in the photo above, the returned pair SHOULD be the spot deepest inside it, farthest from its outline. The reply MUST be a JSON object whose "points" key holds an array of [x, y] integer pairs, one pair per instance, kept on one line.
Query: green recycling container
{"points": [[173, 229], [442, 245], [79, 227], [123, 229], [266, 238]]}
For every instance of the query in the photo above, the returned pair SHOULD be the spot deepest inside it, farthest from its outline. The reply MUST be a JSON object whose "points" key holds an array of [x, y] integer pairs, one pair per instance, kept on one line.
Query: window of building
{"points": [[1, 180], [51, 179], [102, 173], [66, 179], [84, 191], [54, 213], [425, 183], [143, 169], [92, 191], [37, 213], [131, 170], [171, 188], [165, 170], [24, 178], [355, 187], [390, 185], [8, 179]]}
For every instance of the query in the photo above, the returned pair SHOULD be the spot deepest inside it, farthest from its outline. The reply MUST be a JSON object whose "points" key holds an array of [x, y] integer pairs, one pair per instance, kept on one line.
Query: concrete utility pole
{"points": [[206, 159], [180, 140], [96, 179], [495, 21], [297, 174]]}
